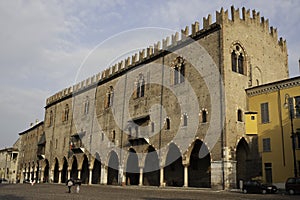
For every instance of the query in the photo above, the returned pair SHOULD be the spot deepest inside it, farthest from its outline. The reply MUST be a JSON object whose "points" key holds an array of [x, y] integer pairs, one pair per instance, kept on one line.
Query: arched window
{"points": [[185, 119], [179, 70], [113, 136], [140, 86], [86, 106], [168, 124], [204, 116], [109, 97], [65, 114], [241, 64], [51, 118], [238, 60], [233, 61], [239, 115], [152, 127]]}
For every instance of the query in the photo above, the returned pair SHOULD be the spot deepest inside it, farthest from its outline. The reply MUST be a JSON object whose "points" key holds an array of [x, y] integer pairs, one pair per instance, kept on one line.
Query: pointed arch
{"points": [[132, 168], [46, 171], [151, 170], [74, 169], [64, 172], [56, 171], [85, 170], [173, 170], [200, 166], [113, 169], [242, 153]]}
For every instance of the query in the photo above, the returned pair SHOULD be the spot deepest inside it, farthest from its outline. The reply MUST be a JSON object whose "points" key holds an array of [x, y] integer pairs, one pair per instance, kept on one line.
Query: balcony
{"points": [[41, 147], [76, 145]]}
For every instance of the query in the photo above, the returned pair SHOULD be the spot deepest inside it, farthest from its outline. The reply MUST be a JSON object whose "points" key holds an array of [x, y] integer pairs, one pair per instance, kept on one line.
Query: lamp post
{"points": [[289, 104]]}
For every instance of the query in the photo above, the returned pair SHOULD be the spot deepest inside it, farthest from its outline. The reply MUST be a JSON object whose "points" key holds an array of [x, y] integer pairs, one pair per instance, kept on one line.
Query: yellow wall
{"points": [[278, 130]]}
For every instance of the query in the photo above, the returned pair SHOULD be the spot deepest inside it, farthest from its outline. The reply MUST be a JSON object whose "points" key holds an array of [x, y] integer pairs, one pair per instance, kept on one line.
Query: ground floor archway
{"points": [[151, 168], [85, 170], [242, 152], [132, 169], [113, 169], [56, 171], [173, 171], [64, 172], [46, 172], [74, 169], [96, 173], [199, 171]]}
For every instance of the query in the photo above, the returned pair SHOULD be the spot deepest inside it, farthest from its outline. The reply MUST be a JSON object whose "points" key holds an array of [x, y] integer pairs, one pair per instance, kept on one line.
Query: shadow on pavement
{"points": [[10, 197]]}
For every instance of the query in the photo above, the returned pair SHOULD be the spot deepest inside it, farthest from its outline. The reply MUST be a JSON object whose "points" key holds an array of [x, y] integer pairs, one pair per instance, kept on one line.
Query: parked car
{"points": [[292, 185], [3, 181], [257, 187]]}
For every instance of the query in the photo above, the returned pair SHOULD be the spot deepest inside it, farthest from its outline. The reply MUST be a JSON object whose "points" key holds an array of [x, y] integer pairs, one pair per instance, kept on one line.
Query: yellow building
{"points": [[270, 107]]}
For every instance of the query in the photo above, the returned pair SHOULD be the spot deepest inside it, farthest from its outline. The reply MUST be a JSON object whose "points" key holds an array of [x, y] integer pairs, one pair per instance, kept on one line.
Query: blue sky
{"points": [[43, 43]]}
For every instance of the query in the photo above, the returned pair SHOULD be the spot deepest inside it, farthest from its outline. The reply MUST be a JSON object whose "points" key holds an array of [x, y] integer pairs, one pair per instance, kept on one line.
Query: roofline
{"points": [[273, 86], [31, 128]]}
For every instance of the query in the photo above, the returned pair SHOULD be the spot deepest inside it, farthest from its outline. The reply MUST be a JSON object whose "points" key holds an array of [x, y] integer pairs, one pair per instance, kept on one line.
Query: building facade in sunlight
{"points": [[171, 115], [277, 110], [9, 165]]}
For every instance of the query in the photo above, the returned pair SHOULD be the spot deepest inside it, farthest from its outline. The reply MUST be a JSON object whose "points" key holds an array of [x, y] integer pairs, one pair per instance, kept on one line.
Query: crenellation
{"points": [[235, 14], [195, 28], [134, 58], [185, 32], [149, 51], [273, 32], [141, 55], [98, 76], [157, 47], [207, 21], [175, 38], [245, 14], [127, 62], [107, 72], [166, 42], [222, 16]]}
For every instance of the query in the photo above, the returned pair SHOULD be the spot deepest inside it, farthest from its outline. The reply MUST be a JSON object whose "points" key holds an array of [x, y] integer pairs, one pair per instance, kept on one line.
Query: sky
{"points": [[47, 46]]}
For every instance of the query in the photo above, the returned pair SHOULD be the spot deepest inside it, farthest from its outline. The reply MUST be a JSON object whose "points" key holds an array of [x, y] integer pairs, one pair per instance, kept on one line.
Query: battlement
{"points": [[245, 17], [222, 17]]}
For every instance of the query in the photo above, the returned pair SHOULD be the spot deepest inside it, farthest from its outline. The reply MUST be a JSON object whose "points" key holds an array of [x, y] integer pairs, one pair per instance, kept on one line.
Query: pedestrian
{"points": [[70, 183]]}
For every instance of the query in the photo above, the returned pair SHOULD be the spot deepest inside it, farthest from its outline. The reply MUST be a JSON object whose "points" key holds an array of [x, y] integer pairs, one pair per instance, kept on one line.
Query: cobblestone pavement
{"points": [[58, 191]]}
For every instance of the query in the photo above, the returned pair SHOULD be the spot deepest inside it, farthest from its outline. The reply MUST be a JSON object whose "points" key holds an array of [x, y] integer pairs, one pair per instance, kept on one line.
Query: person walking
{"points": [[70, 183]]}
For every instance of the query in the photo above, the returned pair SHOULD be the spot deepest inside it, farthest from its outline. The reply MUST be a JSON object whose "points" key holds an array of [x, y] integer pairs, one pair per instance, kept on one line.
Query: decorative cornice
{"points": [[274, 86]]}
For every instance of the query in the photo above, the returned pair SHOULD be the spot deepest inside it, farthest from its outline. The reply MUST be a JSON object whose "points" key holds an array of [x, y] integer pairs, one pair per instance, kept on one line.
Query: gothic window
{"points": [[239, 115], [65, 116], [168, 124], [152, 127], [51, 118], [185, 119], [178, 70], [113, 136], [203, 116], [140, 86], [109, 97], [86, 106], [238, 60]]}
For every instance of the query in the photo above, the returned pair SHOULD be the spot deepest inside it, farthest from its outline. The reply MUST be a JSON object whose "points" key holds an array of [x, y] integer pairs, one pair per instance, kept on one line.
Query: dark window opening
{"points": [[233, 61], [168, 124], [204, 116], [185, 120], [239, 115]]}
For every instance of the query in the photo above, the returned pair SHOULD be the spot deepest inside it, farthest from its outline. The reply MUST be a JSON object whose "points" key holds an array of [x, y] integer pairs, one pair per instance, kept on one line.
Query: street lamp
{"points": [[289, 104]]}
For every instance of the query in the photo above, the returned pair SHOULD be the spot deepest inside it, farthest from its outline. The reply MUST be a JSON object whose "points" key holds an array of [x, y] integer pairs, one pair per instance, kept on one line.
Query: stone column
{"points": [[59, 176], [91, 176], [79, 174], [141, 176], [42, 176], [69, 174], [103, 174], [162, 182], [186, 176]]}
